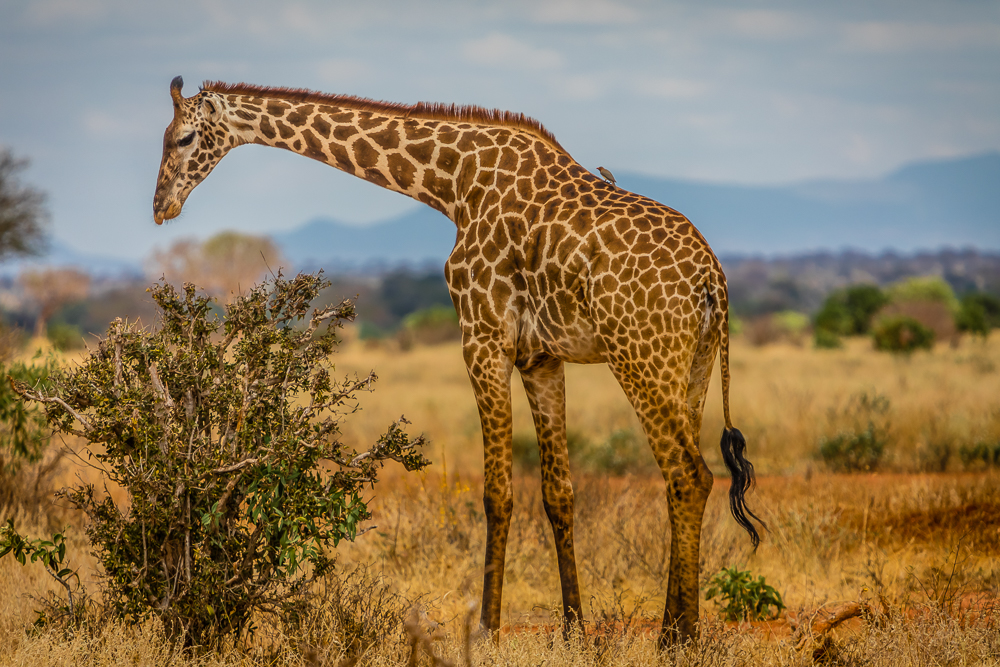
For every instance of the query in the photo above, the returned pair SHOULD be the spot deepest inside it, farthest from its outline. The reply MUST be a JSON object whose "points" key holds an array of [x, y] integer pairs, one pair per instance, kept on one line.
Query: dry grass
{"points": [[785, 399], [923, 549]]}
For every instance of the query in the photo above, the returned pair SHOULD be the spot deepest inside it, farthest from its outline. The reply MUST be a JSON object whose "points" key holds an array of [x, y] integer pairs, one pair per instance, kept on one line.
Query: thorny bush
{"points": [[224, 435]]}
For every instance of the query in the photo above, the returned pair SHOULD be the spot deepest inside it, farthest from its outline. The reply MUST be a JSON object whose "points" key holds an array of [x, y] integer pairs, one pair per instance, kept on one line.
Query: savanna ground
{"points": [[917, 541]]}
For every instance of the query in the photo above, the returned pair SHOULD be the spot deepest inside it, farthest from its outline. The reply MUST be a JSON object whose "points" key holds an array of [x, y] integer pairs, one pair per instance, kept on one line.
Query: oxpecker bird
{"points": [[608, 176]]}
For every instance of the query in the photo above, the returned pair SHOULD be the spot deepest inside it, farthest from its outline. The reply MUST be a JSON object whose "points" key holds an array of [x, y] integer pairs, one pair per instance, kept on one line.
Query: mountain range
{"points": [[952, 203], [927, 205]]}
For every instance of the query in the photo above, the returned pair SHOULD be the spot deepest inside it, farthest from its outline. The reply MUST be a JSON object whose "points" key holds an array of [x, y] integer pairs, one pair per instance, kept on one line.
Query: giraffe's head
{"points": [[193, 144]]}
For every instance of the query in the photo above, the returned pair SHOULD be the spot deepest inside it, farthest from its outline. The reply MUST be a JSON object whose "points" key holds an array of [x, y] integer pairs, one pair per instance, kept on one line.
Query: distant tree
{"points": [[902, 334], [978, 313], [848, 312], [23, 216], [929, 289], [405, 292], [862, 302], [225, 265], [52, 289], [928, 300]]}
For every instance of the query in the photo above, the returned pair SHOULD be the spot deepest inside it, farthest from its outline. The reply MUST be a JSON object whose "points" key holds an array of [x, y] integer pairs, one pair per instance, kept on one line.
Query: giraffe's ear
{"points": [[210, 109], [175, 90]]}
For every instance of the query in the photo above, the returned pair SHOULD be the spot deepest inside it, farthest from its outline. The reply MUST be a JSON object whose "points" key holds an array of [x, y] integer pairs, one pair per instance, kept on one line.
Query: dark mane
{"points": [[427, 110]]}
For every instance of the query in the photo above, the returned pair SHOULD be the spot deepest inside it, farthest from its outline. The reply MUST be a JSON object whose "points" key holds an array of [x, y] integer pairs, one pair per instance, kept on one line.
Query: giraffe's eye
{"points": [[186, 141]]}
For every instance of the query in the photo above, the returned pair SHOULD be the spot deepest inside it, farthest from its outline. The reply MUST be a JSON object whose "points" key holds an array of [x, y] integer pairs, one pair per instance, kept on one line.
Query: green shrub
{"points": [[369, 332], [902, 334], [847, 312], [24, 438], [433, 325], [853, 452], [744, 598], [625, 451], [980, 455], [978, 313], [223, 433], [65, 336], [827, 340], [923, 288], [528, 458], [23, 429], [525, 451], [860, 445]]}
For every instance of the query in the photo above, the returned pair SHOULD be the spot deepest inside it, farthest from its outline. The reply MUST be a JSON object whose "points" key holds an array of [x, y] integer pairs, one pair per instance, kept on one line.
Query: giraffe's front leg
{"points": [[490, 370]]}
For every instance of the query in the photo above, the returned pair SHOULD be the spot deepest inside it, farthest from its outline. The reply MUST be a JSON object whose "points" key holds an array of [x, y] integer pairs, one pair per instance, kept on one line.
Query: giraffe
{"points": [[551, 265]]}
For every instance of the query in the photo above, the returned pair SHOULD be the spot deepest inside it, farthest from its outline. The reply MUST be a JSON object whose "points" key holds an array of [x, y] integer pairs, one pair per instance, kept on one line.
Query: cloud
{"points": [[858, 149], [897, 37], [671, 88], [600, 12], [500, 50], [767, 25], [342, 71], [102, 125], [49, 12], [581, 87]]}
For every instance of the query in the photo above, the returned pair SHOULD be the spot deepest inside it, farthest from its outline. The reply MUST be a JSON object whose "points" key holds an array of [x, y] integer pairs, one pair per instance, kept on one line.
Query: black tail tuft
{"points": [[733, 445]]}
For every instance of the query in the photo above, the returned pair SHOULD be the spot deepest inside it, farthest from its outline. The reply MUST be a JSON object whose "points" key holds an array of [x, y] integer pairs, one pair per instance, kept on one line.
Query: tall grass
{"points": [[786, 399], [920, 547]]}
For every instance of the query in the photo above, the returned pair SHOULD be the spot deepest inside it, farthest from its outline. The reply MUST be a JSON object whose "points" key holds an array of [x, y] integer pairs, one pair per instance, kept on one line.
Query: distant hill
{"points": [[924, 206], [927, 205], [62, 254], [945, 203], [415, 238]]}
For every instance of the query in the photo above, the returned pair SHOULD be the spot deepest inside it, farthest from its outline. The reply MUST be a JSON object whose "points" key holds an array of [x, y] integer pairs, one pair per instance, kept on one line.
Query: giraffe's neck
{"points": [[447, 163]]}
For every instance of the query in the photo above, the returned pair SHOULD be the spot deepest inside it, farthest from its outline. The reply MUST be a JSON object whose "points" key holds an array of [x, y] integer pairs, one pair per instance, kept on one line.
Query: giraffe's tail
{"points": [[734, 447]]}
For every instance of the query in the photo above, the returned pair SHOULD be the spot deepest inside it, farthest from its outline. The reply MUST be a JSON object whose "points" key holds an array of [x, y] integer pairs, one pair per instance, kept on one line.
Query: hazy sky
{"points": [[750, 92]]}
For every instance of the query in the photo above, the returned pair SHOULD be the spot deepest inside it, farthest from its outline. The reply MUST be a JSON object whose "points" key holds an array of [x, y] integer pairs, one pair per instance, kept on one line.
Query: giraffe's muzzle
{"points": [[169, 213]]}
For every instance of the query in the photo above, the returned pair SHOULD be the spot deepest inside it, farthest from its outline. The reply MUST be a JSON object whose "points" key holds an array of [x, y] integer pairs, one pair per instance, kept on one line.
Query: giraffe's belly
{"points": [[558, 327]]}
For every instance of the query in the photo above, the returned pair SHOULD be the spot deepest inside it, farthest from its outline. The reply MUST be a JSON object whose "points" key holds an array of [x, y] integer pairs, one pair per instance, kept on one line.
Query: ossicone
{"points": [[175, 89]]}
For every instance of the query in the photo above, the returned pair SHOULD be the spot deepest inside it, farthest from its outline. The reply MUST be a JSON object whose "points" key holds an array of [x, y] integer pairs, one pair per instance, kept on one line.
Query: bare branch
{"points": [[231, 468], [23, 389], [154, 376]]}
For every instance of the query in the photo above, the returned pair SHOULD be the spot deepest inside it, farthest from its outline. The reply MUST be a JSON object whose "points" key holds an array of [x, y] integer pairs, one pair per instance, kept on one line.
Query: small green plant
{"points": [[860, 445], [51, 554], [744, 598], [902, 335], [23, 430], [24, 438]]}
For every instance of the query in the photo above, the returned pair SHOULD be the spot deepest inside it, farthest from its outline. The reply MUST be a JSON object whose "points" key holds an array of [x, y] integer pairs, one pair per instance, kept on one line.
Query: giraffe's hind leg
{"points": [[545, 386], [667, 419]]}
